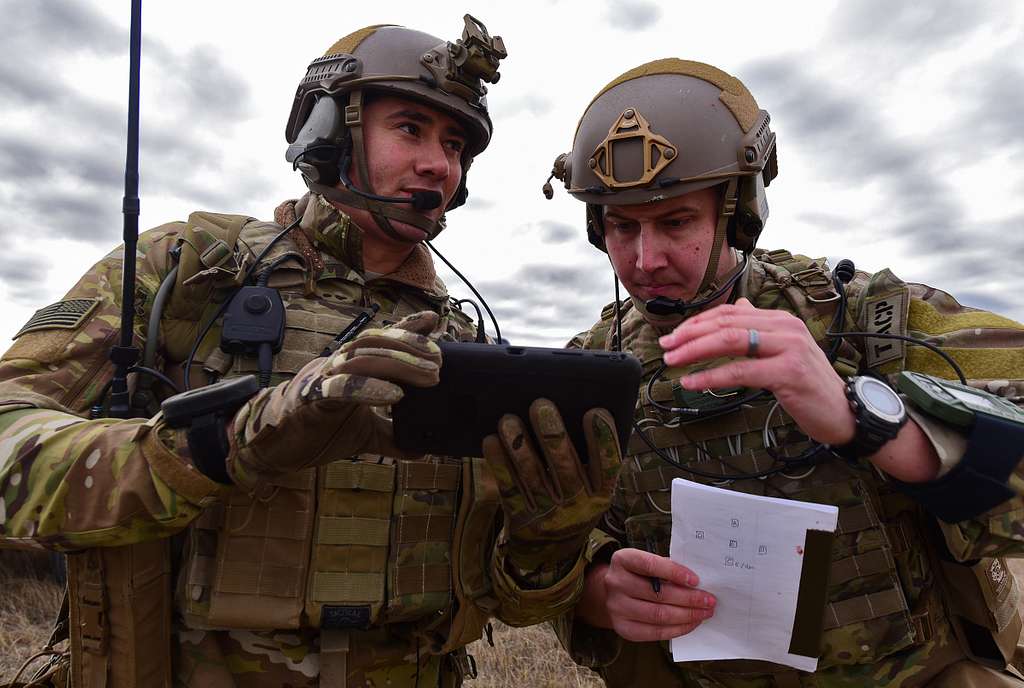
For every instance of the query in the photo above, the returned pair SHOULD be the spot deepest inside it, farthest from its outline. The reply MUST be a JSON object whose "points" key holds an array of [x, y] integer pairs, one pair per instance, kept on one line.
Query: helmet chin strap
{"points": [[725, 214]]}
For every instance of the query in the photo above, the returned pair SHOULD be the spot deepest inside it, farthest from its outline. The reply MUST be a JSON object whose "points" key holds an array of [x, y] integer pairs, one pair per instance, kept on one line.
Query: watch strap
{"points": [[870, 434]]}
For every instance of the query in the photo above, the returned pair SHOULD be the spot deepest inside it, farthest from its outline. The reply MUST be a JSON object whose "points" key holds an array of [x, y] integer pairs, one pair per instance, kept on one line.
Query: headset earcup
{"points": [[747, 222], [595, 226]]}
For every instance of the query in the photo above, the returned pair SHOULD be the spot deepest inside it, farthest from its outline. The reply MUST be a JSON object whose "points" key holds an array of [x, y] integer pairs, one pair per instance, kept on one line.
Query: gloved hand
{"points": [[325, 412], [551, 499]]}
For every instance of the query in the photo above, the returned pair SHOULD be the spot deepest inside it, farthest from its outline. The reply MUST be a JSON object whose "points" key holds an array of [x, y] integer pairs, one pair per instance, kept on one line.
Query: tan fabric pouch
{"points": [[350, 544], [983, 598], [120, 616], [263, 556]]}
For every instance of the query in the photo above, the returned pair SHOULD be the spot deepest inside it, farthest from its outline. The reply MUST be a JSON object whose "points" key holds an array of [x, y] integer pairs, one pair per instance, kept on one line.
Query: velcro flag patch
{"points": [[63, 315]]}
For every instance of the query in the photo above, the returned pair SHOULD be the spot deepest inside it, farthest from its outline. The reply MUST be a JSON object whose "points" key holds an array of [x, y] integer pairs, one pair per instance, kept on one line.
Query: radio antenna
{"points": [[125, 355]]}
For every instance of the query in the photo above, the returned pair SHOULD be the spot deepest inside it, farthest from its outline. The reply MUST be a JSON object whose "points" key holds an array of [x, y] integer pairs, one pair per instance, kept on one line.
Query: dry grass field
{"points": [[521, 657], [28, 603]]}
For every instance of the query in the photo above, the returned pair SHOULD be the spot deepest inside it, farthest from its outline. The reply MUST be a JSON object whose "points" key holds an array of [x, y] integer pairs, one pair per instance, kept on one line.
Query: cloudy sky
{"points": [[899, 128]]}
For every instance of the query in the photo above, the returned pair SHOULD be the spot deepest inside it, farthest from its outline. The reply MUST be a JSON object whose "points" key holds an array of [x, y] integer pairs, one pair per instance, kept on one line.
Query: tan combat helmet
{"points": [[325, 124], [667, 128]]}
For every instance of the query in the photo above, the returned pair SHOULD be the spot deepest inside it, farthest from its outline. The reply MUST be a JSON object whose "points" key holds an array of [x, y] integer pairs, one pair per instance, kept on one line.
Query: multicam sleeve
{"points": [[587, 645], [990, 350], [67, 482]]}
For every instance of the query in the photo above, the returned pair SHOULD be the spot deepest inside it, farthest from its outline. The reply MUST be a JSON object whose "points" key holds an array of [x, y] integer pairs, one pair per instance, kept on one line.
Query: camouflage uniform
{"points": [[393, 559], [895, 597]]}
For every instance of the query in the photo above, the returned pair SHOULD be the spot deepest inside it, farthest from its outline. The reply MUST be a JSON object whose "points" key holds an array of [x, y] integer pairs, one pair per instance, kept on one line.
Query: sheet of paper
{"points": [[748, 552]]}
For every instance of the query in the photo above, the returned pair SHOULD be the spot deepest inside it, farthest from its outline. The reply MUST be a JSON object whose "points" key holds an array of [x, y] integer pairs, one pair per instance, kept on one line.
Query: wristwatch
{"points": [[879, 412]]}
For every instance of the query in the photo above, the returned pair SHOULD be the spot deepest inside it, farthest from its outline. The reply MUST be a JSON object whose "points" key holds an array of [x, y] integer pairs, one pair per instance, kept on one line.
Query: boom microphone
{"points": [[424, 200], [663, 305]]}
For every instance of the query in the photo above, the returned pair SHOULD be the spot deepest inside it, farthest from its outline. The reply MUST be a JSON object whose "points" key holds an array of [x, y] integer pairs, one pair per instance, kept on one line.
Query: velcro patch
{"points": [[337, 616], [885, 315], [63, 315]]}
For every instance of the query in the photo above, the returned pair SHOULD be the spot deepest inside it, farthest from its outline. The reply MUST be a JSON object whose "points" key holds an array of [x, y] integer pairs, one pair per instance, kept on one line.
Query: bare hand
{"points": [[788, 363], [629, 605]]}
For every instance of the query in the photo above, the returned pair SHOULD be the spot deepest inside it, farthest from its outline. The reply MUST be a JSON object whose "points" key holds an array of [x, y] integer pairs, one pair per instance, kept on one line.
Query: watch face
{"points": [[880, 398]]}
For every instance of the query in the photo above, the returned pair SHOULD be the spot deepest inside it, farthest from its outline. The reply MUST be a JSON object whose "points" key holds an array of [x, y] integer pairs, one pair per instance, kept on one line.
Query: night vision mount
{"points": [[460, 67]]}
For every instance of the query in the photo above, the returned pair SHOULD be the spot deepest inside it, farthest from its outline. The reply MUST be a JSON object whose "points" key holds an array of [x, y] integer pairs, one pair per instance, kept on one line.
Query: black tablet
{"points": [[482, 382]]}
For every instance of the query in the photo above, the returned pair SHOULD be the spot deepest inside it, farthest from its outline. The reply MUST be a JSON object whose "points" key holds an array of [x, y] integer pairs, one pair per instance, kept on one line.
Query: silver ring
{"points": [[753, 343]]}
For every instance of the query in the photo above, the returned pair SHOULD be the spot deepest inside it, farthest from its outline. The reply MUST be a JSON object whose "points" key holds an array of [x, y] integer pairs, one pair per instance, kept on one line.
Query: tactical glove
{"points": [[551, 499], [326, 412]]}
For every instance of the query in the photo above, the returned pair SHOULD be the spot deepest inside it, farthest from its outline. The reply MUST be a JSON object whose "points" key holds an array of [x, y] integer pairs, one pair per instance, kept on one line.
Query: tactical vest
{"points": [[360, 543], [887, 592]]}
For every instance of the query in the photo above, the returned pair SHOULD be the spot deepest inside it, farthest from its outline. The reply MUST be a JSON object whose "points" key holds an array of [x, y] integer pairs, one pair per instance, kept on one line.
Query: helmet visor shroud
{"points": [[668, 128], [324, 128]]}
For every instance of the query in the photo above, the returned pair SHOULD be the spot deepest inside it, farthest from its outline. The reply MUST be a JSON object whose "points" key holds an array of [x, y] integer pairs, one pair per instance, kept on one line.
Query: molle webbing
{"points": [[853, 519], [857, 518], [420, 527], [429, 476], [306, 334], [864, 608], [359, 475], [861, 565], [425, 505], [414, 580], [350, 544], [351, 530], [347, 587]]}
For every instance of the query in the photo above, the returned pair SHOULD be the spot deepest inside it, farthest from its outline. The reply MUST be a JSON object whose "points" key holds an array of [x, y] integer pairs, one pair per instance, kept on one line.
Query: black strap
{"points": [[978, 482], [208, 443]]}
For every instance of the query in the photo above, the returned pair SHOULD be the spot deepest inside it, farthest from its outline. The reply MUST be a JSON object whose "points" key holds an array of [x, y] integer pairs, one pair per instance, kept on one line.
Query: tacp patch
{"points": [[63, 315], [885, 315]]}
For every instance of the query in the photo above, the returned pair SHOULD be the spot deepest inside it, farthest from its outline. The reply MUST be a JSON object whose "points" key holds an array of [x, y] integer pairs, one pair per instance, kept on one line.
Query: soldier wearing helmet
{"points": [[748, 387], [264, 530]]}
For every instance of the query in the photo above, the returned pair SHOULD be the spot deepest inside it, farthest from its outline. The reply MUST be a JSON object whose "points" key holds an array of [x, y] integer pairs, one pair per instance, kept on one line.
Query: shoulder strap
{"points": [[807, 275], [806, 286]]}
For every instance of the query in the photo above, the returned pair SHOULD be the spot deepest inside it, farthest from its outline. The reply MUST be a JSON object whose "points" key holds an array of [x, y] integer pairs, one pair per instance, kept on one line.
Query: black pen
{"points": [[655, 581], [350, 331]]}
